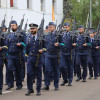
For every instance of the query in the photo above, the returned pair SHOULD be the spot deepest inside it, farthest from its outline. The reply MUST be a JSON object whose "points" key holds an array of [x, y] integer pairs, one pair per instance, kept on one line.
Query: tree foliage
{"points": [[81, 9]]}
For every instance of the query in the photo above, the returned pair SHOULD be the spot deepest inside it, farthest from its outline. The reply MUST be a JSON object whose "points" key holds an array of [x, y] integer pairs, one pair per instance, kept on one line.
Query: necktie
{"points": [[51, 34], [33, 38], [92, 40]]}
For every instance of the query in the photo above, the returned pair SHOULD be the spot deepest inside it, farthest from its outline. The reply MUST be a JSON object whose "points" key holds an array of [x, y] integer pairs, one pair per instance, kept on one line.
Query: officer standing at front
{"points": [[34, 60]]}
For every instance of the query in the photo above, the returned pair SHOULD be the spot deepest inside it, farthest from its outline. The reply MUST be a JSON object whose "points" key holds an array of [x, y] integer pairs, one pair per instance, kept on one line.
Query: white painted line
{"points": [[7, 92]]}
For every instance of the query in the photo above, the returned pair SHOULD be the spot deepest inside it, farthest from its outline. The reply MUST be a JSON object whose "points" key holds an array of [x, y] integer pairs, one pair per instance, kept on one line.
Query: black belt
{"points": [[51, 53], [66, 51], [32, 54], [14, 53], [82, 51]]}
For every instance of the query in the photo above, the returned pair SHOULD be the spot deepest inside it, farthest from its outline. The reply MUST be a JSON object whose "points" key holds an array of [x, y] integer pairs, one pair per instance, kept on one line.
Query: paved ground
{"points": [[79, 91]]}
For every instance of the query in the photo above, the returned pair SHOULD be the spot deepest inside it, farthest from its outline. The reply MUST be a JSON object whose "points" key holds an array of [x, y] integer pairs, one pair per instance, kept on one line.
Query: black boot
{"points": [[78, 79], [84, 80], [95, 78], [45, 88], [29, 92], [38, 93], [9, 88], [56, 88], [90, 77], [69, 84], [64, 82], [18, 88]]}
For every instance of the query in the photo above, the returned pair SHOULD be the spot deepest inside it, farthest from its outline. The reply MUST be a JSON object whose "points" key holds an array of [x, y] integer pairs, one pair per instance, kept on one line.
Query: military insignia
{"points": [[31, 25]]}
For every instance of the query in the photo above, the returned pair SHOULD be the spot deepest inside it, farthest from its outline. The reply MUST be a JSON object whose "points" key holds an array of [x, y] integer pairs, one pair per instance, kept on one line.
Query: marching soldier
{"points": [[94, 56], [81, 54], [15, 44], [5, 54], [34, 60], [51, 58], [66, 59], [2, 48], [46, 32]]}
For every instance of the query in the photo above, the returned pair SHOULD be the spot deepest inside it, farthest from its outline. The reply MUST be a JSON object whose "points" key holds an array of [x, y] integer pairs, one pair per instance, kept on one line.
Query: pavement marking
{"points": [[25, 87], [7, 92]]}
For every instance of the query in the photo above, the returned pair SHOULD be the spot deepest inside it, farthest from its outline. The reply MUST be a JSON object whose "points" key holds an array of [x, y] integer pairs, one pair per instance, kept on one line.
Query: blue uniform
{"points": [[14, 58], [23, 59], [66, 59], [62, 70], [51, 59], [23, 64], [74, 61], [94, 58], [43, 61], [34, 64], [1, 63], [5, 56], [81, 56]]}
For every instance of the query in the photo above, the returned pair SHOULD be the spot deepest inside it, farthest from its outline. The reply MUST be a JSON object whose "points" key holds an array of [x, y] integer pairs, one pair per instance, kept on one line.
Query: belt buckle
{"points": [[31, 54]]}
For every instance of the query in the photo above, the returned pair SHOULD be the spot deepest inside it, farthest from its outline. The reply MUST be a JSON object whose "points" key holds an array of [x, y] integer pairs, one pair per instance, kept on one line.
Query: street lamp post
{"points": [[90, 14]]}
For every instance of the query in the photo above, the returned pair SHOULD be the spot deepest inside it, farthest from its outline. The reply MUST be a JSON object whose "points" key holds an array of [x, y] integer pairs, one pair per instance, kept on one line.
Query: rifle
{"points": [[97, 36], [40, 38], [10, 25], [74, 31], [86, 34], [25, 26], [21, 23], [59, 28], [40, 33], [1, 30], [20, 28]]}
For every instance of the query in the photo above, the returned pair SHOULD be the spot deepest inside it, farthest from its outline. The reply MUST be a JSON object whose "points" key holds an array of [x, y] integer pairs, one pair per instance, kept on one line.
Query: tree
{"points": [[81, 9]]}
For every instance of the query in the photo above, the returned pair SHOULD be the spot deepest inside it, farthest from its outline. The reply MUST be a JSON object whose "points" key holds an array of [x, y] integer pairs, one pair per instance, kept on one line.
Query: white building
{"points": [[33, 10]]}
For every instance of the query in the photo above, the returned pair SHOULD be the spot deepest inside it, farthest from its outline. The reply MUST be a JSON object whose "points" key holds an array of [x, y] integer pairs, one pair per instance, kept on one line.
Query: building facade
{"points": [[33, 10]]}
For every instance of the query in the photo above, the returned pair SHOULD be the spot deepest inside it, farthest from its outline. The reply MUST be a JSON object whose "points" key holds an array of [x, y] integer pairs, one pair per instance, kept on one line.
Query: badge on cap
{"points": [[33, 25]]}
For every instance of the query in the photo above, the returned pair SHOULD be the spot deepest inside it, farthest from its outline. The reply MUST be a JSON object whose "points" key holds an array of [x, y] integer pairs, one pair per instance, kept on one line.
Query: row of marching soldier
{"points": [[55, 52]]}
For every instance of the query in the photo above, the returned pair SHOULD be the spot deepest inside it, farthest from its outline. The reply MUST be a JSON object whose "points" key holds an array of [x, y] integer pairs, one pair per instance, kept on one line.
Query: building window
{"points": [[42, 5], [13, 3], [54, 5], [0, 3], [29, 4]]}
